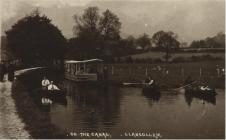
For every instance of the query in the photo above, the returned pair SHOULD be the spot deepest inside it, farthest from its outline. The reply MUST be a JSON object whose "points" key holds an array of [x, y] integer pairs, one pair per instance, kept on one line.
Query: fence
{"points": [[166, 74]]}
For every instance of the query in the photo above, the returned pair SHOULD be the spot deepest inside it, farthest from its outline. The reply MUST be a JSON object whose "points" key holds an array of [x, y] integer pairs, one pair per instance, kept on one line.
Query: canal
{"points": [[122, 111]]}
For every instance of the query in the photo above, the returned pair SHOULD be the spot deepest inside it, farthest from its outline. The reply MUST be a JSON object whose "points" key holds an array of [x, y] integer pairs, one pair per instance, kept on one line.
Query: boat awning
{"points": [[84, 61]]}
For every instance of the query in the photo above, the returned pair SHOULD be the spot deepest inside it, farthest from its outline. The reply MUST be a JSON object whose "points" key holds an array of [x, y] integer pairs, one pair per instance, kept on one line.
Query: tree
{"points": [[166, 41], [110, 26], [97, 35], [36, 40], [199, 44], [87, 32], [144, 41]]}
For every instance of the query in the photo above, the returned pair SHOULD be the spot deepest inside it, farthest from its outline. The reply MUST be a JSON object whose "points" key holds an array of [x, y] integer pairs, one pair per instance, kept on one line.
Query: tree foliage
{"points": [[144, 41], [110, 26], [96, 34], [36, 40], [166, 41], [217, 41]]}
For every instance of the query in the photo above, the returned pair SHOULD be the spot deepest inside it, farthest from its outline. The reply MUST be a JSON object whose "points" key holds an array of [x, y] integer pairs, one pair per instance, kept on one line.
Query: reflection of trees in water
{"points": [[98, 105]]}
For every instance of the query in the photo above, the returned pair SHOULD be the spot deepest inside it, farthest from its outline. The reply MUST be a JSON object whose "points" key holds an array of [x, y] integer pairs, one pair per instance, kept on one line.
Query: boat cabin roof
{"points": [[84, 61]]}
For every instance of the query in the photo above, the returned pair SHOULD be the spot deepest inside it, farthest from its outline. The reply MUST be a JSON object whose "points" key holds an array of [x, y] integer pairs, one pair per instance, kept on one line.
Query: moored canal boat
{"points": [[83, 71]]}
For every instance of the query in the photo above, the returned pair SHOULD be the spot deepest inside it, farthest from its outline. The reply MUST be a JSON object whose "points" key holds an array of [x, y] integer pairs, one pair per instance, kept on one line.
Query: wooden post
{"points": [[112, 70], [146, 71], [218, 72], [130, 70], [76, 68], [182, 71], [200, 72]]}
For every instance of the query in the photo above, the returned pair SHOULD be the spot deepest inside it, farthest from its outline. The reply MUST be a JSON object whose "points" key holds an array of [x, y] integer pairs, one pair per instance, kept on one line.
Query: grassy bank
{"points": [[185, 55], [37, 122]]}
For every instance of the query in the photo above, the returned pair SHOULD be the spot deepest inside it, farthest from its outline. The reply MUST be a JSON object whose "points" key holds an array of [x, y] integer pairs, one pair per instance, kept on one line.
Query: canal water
{"points": [[123, 112]]}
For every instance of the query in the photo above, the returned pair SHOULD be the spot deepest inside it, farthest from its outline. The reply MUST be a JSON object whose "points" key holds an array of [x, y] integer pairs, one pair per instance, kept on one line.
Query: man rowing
{"points": [[149, 81], [188, 80]]}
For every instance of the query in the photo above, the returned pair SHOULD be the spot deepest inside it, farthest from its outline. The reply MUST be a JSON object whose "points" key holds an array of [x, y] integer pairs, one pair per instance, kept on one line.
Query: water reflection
{"points": [[46, 101], [152, 96], [126, 109], [94, 103]]}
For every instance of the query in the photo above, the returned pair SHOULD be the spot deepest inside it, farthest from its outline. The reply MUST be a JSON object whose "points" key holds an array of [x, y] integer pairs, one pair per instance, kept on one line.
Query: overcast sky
{"points": [[190, 19]]}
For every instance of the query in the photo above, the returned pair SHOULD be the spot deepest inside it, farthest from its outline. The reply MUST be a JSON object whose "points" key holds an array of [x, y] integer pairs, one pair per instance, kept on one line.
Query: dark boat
{"points": [[151, 89], [151, 92], [51, 93], [197, 91]]}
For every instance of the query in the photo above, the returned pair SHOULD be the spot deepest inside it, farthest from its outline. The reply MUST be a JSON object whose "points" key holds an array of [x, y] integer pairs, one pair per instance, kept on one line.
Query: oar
{"points": [[185, 85], [126, 84]]}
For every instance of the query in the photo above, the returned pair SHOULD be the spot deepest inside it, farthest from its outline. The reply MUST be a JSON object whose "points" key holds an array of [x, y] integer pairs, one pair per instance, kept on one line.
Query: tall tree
{"points": [[110, 31], [97, 34], [87, 32], [166, 41], [110, 26], [36, 40]]}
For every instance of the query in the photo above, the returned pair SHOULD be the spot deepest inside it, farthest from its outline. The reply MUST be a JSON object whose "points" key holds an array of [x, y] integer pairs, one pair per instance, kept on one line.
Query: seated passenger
{"points": [[52, 86], [45, 82], [204, 88]]}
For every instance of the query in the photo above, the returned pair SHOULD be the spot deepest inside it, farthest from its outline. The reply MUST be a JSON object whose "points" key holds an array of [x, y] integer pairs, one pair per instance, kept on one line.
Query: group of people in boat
{"points": [[46, 85]]}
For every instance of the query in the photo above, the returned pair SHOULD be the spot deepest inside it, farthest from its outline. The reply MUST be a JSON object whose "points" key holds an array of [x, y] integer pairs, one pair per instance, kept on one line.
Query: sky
{"points": [[189, 19]]}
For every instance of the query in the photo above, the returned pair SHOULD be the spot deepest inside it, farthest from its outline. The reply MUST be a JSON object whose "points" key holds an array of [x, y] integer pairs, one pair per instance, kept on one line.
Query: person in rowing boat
{"points": [[188, 80], [45, 83], [52, 86], [204, 87], [149, 81]]}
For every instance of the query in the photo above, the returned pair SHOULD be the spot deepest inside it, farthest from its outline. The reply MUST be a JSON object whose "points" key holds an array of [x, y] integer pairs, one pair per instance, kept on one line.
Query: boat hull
{"points": [[151, 90], [196, 91]]}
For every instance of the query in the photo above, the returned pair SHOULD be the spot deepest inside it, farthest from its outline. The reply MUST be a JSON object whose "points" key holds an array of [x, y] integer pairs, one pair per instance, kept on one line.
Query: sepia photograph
{"points": [[112, 69]]}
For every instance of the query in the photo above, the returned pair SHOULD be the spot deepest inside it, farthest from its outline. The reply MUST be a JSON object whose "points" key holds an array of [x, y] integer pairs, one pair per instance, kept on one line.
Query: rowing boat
{"points": [[198, 91], [151, 89], [51, 93]]}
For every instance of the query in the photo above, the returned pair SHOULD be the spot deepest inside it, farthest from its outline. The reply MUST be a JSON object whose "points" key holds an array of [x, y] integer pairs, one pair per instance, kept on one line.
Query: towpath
{"points": [[11, 126]]}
